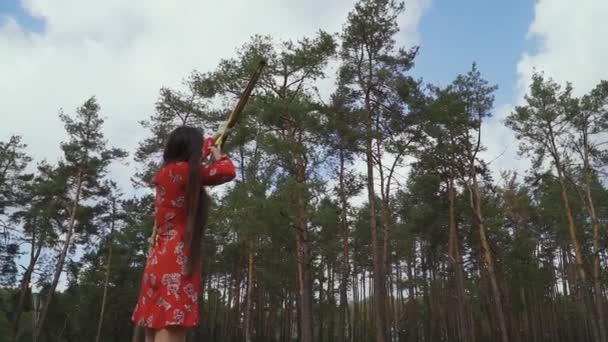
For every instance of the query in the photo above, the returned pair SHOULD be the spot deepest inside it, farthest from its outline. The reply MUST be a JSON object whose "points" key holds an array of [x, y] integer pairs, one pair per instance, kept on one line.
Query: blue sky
{"points": [[13, 8], [491, 33]]}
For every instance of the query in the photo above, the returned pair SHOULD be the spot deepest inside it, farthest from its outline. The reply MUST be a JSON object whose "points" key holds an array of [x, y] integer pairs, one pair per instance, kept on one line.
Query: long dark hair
{"points": [[184, 145]]}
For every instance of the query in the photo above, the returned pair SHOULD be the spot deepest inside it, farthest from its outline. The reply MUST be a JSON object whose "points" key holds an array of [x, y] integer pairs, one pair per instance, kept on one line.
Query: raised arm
{"points": [[219, 172]]}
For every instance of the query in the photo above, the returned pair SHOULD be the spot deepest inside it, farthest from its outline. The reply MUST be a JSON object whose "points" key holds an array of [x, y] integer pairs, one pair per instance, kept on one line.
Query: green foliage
{"points": [[299, 170], [13, 179], [541, 125]]}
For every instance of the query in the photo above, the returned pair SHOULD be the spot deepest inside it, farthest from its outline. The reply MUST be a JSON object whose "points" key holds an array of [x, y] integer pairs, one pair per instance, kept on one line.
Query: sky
{"points": [[54, 54]]}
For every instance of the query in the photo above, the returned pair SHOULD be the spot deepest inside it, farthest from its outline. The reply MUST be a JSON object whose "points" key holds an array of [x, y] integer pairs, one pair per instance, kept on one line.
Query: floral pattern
{"points": [[169, 297], [162, 303], [191, 293], [178, 202]]}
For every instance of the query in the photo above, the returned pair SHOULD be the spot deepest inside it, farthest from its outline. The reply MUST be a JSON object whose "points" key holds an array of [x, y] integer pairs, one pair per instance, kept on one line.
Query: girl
{"points": [[168, 299]]}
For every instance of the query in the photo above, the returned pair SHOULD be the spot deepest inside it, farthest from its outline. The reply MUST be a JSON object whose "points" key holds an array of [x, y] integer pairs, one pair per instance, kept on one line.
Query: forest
{"points": [[368, 216]]}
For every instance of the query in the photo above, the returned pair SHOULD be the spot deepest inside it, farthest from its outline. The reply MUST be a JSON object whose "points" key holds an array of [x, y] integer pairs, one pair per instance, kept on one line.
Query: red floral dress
{"points": [[167, 296]]}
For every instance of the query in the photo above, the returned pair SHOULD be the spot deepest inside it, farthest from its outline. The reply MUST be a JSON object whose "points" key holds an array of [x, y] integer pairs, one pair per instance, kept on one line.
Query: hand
{"points": [[216, 153]]}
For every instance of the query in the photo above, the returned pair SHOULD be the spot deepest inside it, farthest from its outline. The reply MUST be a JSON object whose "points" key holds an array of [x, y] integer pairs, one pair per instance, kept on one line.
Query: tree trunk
{"points": [[108, 268], [302, 243], [288, 335], [322, 305], [356, 305], [378, 279], [565, 273], [455, 259], [399, 305], [250, 260], [571, 226], [235, 319], [525, 325], [587, 304], [25, 284], [475, 200], [62, 256], [304, 278], [227, 333], [387, 222], [363, 309], [392, 302], [272, 321], [332, 307], [597, 287], [428, 321], [259, 305], [342, 331], [298, 311], [385, 219]]}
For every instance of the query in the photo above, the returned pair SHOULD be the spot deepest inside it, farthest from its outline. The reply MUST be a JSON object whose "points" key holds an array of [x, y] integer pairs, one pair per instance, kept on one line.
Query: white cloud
{"points": [[569, 45], [124, 51], [501, 146]]}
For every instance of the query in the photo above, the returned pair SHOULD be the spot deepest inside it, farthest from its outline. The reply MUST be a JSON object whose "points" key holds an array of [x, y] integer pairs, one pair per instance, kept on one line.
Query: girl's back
{"points": [[169, 293]]}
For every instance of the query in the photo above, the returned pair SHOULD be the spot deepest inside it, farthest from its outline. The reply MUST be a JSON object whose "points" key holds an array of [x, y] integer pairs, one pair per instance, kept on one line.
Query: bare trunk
{"points": [[525, 320], [25, 284], [249, 290], [303, 254], [356, 306], [272, 320], [587, 305], [321, 304], [303, 258], [236, 311], [363, 317], [259, 305], [288, 335], [597, 287], [108, 268], [391, 295], [456, 261], [343, 331], [565, 273], [386, 225], [578, 255], [475, 200], [62, 256], [332, 307], [379, 298], [413, 311], [385, 220]]}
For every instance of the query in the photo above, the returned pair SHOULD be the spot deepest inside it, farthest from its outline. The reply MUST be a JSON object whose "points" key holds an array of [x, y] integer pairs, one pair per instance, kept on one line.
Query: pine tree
{"points": [[341, 140], [374, 69], [541, 125], [111, 219], [441, 155], [286, 109], [85, 164], [43, 208], [13, 177], [589, 118], [477, 99]]}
